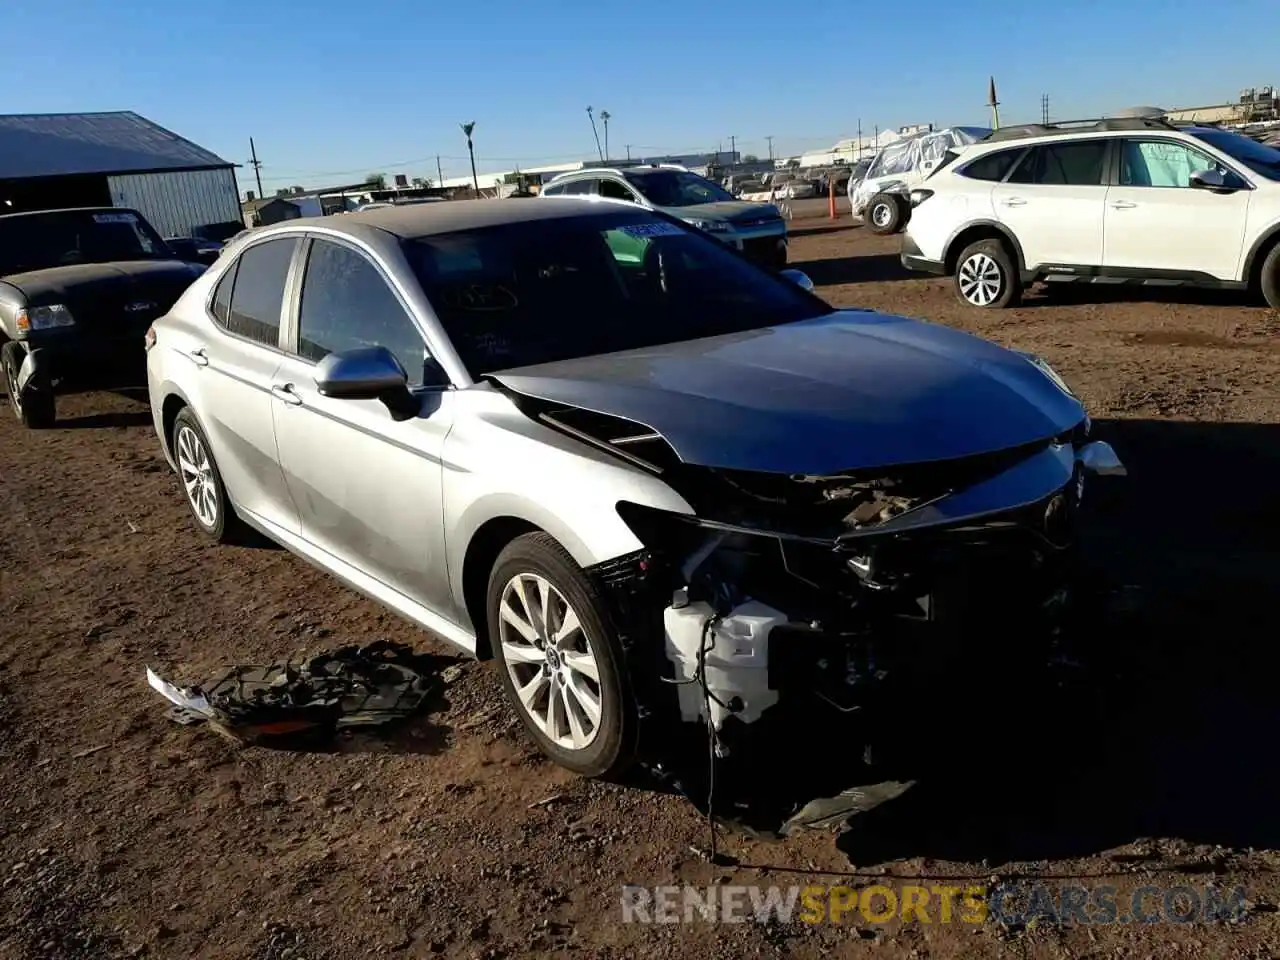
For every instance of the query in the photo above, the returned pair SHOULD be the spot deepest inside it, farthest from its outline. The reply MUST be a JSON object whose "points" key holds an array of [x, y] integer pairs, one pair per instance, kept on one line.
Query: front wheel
{"points": [[1271, 278], [886, 213], [986, 276], [561, 662], [33, 405]]}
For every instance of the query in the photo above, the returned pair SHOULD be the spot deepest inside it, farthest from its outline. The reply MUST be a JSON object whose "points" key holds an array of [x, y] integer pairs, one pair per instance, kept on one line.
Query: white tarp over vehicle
{"points": [[910, 160]]}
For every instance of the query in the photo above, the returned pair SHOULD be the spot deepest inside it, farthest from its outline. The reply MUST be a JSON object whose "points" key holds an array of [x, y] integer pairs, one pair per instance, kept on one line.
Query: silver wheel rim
{"points": [[881, 214], [980, 280], [550, 661], [197, 476]]}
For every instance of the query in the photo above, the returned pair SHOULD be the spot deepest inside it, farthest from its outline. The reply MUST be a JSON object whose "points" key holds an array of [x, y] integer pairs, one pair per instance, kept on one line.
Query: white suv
{"points": [[1134, 201]]}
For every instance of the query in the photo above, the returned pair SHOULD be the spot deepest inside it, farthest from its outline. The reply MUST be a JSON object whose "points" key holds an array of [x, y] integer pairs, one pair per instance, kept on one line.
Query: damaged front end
{"points": [[840, 591]]}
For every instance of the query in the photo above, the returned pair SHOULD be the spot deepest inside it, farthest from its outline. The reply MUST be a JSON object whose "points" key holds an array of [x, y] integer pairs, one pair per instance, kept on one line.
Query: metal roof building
{"points": [[119, 159]]}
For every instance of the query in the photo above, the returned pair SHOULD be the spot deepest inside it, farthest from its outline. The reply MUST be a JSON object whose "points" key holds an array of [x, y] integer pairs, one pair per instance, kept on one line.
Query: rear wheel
{"points": [[986, 276], [886, 213], [1271, 278], [560, 659], [201, 481], [33, 405]]}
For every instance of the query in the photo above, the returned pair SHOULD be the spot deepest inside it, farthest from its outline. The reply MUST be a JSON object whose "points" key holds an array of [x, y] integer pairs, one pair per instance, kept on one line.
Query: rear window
{"points": [[994, 166]]}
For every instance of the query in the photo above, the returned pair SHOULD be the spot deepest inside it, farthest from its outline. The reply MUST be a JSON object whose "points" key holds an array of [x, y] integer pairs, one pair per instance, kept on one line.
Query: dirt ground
{"points": [[123, 834]]}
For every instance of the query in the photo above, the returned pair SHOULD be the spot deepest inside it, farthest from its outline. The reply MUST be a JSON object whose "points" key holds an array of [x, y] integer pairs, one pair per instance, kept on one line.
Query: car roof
{"points": [[40, 213], [409, 221]]}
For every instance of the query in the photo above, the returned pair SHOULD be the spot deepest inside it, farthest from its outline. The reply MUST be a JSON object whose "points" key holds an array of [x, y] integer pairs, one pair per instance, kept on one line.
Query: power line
{"points": [[644, 150]]}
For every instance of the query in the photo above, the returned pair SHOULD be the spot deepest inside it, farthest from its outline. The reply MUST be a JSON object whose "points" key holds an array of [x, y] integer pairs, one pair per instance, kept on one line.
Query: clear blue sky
{"points": [[332, 91]]}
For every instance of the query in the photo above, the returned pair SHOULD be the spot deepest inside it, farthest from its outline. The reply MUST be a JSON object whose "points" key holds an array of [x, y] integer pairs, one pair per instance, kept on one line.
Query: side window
{"points": [[1161, 163], [347, 305], [580, 187], [258, 293], [553, 191], [1074, 163], [616, 191], [993, 166], [221, 304]]}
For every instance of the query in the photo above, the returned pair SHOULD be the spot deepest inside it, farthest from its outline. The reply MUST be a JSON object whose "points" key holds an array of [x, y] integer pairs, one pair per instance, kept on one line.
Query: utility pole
{"points": [[467, 127], [993, 103], [257, 165], [859, 138], [628, 151], [439, 172], [769, 140], [733, 149], [1044, 109]]}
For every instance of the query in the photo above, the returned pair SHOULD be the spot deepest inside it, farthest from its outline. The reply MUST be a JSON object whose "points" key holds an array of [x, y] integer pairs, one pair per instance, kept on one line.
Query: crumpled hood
{"points": [[732, 210], [847, 391], [163, 279]]}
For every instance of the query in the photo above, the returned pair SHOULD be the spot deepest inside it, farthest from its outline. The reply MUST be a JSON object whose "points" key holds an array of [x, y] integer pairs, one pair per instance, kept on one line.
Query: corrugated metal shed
{"points": [[176, 202], [59, 144]]}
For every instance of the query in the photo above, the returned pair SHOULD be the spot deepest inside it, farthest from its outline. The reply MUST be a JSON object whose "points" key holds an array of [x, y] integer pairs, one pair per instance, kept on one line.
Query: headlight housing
{"points": [[1041, 364], [712, 226], [44, 318]]}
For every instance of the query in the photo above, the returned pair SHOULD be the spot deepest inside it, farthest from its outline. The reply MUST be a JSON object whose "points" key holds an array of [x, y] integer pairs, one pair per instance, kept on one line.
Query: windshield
{"points": [[61, 238], [548, 290], [676, 188], [1258, 157]]}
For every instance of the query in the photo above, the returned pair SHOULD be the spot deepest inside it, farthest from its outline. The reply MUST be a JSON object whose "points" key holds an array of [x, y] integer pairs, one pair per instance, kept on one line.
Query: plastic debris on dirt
{"points": [[352, 686]]}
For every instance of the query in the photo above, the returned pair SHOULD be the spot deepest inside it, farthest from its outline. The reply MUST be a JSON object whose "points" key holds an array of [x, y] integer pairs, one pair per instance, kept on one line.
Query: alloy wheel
{"points": [[980, 280], [550, 660], [881, 215], [197, 477]]}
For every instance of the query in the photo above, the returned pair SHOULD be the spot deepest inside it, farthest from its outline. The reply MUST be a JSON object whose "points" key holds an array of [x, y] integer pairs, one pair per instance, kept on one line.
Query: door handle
{"points": [[199, 357], [1122, 205], [1015, 202], [284, 391]]}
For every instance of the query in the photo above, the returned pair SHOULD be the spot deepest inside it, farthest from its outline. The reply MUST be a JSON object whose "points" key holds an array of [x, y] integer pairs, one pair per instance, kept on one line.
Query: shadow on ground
{"points": [[879, 268], [1065, 294], [1165, 734]]}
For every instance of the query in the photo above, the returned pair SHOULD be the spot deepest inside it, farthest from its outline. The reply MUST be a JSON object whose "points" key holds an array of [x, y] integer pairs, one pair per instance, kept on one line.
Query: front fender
{"points": [[35, 368]]}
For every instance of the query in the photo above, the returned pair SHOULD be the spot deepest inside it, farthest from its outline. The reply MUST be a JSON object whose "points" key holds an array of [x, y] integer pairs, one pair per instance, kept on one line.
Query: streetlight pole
{"points": [[471, 152], [604, 117], [592, 117]]}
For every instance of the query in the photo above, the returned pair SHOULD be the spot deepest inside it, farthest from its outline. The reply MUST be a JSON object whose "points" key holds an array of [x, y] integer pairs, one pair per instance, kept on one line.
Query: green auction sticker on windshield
{"points": [[114, 218], [653, 230]]}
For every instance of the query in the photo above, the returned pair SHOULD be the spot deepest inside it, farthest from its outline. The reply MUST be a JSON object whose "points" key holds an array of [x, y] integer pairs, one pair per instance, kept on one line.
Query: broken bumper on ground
{"points": [[756, 614]]}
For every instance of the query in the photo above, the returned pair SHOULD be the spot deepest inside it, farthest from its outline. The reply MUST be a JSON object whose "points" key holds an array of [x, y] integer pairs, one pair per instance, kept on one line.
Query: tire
{"points": [[1270, 279], [201, 482], [34, 405], [886, 213], [986, 276], [563, 696]]}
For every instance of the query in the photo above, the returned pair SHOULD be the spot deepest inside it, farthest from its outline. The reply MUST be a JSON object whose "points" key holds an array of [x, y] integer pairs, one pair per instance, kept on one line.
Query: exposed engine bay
{"points": [[834, 588]]}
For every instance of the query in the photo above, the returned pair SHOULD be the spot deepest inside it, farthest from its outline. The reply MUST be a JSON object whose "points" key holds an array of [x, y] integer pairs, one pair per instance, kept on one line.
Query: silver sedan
{"points": [[592, 443]]}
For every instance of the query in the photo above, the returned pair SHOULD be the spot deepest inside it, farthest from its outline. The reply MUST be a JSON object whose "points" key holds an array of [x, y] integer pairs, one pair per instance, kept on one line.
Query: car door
{"points": [[236, 367], [1053, 202], [1156, 221], [367, 487]]}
